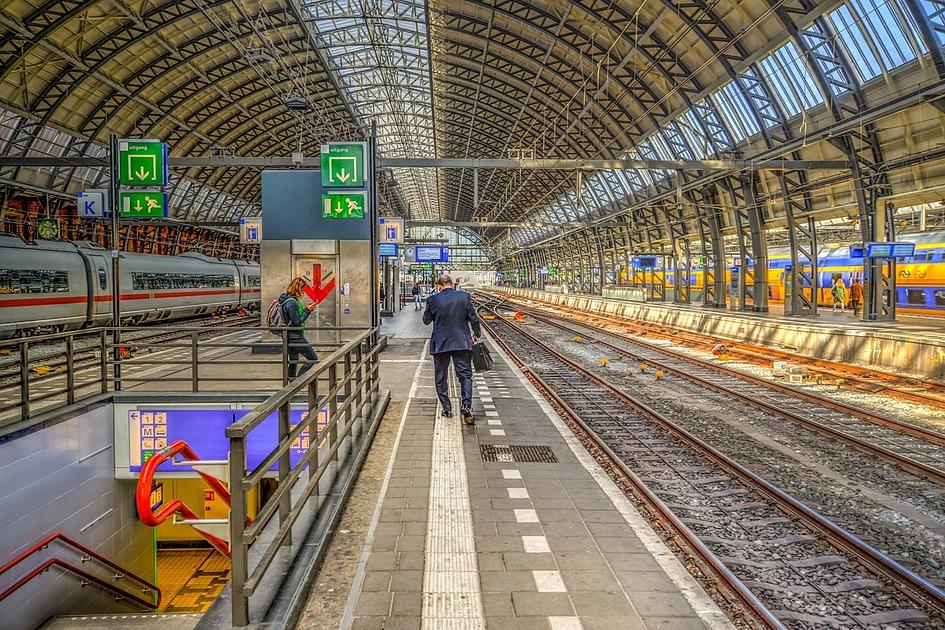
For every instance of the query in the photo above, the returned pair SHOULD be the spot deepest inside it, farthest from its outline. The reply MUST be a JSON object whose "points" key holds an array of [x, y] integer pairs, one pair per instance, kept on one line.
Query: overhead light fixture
{"points": [[296, 102], [259, 55]]}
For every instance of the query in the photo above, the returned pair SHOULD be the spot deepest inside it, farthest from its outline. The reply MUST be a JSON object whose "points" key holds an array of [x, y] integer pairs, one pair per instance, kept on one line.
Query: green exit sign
{"points": [[142, 163], [343, 164], [349, 205], [142, 204]]}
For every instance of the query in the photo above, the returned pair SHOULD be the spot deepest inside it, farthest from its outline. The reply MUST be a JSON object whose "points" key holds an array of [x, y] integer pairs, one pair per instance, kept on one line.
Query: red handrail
{"points": [[175, 506], [81, 572]]}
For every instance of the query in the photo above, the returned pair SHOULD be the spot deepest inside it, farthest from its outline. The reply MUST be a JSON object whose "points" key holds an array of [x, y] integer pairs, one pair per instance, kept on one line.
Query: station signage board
{"points": [[388, 250], [92, 204], [347, 205], [147, 204], [150, 429], [390, 230], [343, 164], [890, 250], [432, 254], [142, 163], [250, 231]]}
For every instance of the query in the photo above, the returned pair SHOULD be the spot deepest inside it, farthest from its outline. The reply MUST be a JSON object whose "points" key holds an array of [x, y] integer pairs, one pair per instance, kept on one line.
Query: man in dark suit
{"points": [[452, 314]]}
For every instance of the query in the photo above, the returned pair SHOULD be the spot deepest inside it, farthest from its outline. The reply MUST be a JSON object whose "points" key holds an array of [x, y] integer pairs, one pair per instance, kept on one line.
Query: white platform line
{"points": [[707, 610], [451, 597]]}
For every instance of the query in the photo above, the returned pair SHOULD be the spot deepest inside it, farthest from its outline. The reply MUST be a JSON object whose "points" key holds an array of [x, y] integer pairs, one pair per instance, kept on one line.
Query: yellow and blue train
{"points": [[920, 279]]}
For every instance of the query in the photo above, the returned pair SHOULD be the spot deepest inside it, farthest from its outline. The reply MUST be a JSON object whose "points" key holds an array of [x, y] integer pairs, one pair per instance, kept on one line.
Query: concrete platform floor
{"points": [[437, 536]]}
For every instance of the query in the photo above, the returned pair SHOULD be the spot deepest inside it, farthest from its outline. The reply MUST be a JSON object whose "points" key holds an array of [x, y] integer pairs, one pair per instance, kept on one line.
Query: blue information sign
{"points": [[387, 250]]}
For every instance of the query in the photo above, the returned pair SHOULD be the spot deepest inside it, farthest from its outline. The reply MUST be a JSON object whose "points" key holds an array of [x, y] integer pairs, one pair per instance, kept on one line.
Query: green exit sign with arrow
{"points": [[343, 165], [144, 204], [349, 205], [142, 163]]}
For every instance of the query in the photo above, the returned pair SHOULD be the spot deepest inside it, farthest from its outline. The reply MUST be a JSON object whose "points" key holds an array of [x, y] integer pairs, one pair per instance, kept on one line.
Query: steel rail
{"points": [[932, 472], [933, 398], [690, 542], [929, 435], [914, 586]]}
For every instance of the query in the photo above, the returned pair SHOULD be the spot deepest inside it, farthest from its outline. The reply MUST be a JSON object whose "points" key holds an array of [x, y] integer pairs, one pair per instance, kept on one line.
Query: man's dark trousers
{"points": [[462, 365]]}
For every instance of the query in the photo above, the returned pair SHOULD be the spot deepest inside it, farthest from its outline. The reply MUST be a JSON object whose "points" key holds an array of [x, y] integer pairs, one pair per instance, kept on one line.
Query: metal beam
{"points": [[230, 161]]}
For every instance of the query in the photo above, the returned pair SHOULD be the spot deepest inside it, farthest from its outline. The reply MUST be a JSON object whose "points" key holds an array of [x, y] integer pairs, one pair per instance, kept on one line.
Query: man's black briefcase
{"points": [[482, 359]]}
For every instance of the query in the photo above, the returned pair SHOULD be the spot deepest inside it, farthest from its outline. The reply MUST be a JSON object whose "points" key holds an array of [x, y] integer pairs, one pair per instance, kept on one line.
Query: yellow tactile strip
{"points": [[190, 579]]}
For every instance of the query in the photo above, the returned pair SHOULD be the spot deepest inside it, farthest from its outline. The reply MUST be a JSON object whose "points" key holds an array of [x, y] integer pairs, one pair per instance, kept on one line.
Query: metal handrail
{"points": [[92, 555], [347, 397], [85, 369], [175, 506]]}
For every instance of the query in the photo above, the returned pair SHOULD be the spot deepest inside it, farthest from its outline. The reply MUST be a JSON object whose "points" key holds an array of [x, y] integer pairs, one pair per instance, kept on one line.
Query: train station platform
{"points": [[507, 524], [912, 345]]}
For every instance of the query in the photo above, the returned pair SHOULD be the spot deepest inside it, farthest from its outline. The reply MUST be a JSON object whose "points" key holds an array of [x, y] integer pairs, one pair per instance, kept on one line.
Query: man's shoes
{"points": [[468, 416], [447, 414]]}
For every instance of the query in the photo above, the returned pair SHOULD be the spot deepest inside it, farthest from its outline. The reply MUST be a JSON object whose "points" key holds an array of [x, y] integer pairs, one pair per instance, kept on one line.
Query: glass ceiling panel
{"points": [[378, 50]]}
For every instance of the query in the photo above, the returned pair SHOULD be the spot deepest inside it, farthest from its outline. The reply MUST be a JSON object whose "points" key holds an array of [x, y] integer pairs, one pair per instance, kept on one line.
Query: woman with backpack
{"points": [[289, 312]]}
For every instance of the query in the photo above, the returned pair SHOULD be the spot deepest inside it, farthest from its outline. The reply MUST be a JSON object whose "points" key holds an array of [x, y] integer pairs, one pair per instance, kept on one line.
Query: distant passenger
{"points": [[456, 282], [856, 296], [839, 294], [452, 314], [415, 291], [295, 314]]}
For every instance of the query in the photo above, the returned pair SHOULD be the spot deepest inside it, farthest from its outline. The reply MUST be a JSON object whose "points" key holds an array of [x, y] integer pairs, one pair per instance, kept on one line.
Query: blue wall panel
{"points": [[291, 209]]}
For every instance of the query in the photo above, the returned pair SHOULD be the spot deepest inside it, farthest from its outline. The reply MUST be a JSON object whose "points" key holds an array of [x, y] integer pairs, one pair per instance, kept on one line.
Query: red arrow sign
{"points": [[318, 293]]}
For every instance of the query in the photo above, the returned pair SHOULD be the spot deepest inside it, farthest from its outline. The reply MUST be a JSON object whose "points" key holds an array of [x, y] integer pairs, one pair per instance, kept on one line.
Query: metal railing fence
{"points": [[345, 384], [43, 373]]}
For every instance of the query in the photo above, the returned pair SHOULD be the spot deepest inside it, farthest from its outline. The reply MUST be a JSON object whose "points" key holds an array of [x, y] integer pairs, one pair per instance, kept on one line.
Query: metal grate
{"points": [[521, 453]]}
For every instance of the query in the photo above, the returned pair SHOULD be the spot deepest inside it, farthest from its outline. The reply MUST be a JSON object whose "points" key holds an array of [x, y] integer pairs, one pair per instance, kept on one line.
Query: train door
{"points": [[321, 275], [101, 277]]}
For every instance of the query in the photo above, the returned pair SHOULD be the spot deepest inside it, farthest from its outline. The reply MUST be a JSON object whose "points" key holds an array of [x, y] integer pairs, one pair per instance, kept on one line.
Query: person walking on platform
{"points": [[415, 291], [839, 294], [294, 314], [452, 314], [856, 296]]}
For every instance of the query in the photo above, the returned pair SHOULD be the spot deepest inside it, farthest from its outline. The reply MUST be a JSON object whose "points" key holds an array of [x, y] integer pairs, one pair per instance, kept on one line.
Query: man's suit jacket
{"points": [[452, 313]]}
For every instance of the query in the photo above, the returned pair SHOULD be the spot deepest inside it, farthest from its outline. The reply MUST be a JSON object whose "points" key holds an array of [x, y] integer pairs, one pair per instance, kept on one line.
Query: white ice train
{"points": [[53, 286]]}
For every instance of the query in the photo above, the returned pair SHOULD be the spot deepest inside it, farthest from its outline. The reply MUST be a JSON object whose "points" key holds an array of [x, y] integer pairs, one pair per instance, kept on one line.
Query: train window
{"points": [[915, 296], [102, 278], [939, 295], [922, 256], [34, 281], [150, 281], [253, 281]]}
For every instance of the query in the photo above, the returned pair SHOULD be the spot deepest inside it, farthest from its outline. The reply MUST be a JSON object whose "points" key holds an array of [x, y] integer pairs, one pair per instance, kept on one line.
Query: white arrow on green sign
{"points": [[343, 165], [349, 205], [143, 204], [142, 163]]}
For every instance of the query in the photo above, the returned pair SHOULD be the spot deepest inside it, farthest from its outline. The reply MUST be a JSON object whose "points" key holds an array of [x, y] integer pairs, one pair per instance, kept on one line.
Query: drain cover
{"points": [[522, 453]]}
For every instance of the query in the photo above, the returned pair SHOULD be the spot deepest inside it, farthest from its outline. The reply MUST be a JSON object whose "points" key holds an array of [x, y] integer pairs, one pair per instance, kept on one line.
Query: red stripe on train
{"points": [[49, 301]]}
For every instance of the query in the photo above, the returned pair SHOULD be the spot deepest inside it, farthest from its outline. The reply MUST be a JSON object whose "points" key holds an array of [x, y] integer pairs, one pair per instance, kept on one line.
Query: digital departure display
{"points": [[647, 262], [890, 250], [432, 254], [387, 250]]}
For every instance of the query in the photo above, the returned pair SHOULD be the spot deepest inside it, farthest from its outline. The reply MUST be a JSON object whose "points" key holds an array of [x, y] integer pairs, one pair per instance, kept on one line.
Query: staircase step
{"points": [[158, 621]]}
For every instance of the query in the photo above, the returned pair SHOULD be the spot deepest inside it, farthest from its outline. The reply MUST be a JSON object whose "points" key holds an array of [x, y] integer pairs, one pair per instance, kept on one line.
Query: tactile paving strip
{"points": [[521, 453], [451, 597]]}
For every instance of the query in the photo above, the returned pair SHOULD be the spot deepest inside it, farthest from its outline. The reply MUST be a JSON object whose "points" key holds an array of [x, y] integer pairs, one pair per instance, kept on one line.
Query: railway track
{"points": [[49, 360], [786, 565], [856, 378], [918, 450]]}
